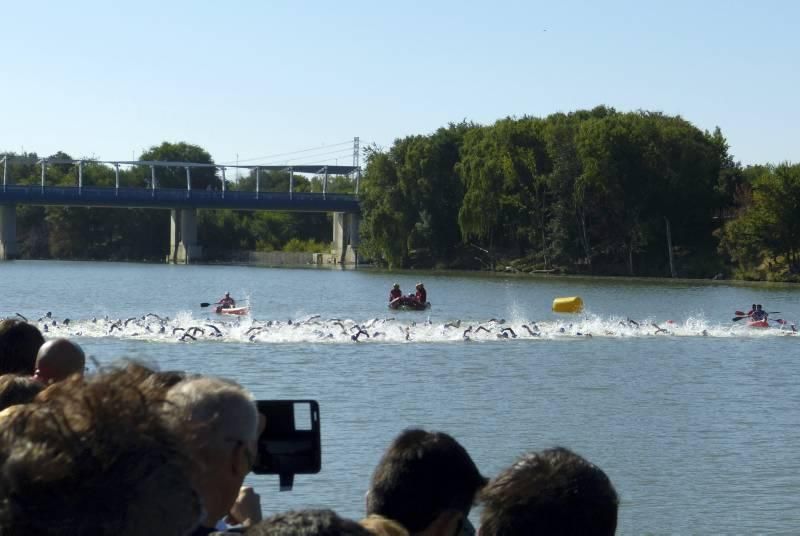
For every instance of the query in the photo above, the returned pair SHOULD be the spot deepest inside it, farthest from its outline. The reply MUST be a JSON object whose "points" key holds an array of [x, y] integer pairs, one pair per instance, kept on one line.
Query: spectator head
{"points": [[19, 342], [550, 492], [58, 359], [426, 481], [93, 457], [307, 523], [15, 389], [219, 423]]}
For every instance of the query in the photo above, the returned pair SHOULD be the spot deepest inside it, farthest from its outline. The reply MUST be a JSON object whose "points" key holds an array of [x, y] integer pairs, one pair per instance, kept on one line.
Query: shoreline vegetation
{"points": [[590, 193]]}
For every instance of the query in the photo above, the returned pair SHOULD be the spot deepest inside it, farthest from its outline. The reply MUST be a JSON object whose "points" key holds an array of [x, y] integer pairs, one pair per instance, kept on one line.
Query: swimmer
{"points": [[509, 330], [216, 329]]}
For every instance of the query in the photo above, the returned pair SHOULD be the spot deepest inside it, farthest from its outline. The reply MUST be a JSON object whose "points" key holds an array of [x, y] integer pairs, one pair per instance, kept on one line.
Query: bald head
{"points": [[58, 359]]}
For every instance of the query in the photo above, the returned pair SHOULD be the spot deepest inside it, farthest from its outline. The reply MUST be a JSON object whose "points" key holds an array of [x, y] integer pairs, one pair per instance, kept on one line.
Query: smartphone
{"points": [[290, 443]]}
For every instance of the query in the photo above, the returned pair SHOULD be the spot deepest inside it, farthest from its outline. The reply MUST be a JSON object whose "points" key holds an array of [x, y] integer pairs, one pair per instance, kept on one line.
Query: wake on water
{"points": [[186, 328]]}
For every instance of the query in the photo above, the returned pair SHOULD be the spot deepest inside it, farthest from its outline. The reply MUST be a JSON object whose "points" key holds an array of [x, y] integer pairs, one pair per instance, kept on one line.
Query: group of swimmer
{"points": [[418, 299]]}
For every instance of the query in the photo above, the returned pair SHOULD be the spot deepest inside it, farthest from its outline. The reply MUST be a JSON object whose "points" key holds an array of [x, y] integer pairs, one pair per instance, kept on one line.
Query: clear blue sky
{"points": [[261, 78]]}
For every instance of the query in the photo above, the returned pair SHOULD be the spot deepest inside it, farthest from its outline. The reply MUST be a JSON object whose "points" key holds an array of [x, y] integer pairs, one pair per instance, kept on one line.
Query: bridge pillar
{"points": [[8, 232], [345, 237], [183, 246]]}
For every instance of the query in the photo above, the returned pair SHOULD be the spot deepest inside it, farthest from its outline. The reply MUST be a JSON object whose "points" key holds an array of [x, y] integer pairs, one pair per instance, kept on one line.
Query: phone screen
{"points": [[290, 443]]}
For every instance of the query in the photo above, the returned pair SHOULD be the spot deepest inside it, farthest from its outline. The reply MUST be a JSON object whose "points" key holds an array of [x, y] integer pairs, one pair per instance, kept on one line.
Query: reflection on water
{"points": [[694, 424]]}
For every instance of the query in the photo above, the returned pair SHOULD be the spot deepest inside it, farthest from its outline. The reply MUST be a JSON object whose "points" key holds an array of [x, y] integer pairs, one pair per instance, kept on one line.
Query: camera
{"points": [[290, 443]]}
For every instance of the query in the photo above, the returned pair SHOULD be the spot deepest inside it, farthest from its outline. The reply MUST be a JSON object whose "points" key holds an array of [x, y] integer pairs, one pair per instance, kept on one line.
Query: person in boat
{"points": [[227, 302], [395, 293], [421, 296], [752, 310], [759, 314]]}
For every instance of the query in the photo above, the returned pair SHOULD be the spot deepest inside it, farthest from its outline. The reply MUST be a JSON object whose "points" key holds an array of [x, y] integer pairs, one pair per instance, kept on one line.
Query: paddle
{"points": [[737, 318], [204, 304]]}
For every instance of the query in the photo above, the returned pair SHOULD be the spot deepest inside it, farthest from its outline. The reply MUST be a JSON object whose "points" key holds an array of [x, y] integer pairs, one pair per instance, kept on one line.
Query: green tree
{"points": [[175, 177]]}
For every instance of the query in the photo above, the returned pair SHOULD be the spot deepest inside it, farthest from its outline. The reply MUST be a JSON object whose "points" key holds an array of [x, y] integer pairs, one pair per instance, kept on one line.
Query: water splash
{"points": [[186, 328]]}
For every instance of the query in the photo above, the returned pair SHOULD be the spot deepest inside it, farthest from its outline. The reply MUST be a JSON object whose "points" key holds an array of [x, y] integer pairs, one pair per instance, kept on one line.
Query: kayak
{"points": [[758, 324], [409, 306], [232, 310]]}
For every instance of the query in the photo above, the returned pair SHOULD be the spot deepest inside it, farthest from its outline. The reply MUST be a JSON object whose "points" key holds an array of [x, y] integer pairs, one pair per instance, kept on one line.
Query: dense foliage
{"points": [[594, 191]]}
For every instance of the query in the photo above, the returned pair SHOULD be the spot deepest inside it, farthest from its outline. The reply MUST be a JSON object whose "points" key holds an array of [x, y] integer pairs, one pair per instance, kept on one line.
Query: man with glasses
{"points": [[220, 424]]}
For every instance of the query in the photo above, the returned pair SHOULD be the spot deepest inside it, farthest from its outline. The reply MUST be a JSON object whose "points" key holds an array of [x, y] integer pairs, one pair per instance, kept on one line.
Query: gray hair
{"points": [[213, 411]]}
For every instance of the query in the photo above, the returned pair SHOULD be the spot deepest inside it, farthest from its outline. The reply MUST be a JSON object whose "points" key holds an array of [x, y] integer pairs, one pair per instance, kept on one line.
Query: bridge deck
{"points": [[168, 198]]}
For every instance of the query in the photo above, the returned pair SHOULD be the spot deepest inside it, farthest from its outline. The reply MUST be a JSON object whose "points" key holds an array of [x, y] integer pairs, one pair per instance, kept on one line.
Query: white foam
{"points": [[311, 328]]}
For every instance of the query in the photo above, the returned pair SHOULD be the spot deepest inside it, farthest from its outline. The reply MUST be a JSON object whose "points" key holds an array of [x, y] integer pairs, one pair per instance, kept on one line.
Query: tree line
{"points": [[593, 191], [142, 234]]}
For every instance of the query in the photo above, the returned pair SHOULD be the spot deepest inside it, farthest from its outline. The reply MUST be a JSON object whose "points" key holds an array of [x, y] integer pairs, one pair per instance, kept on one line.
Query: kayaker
{"points": [[421, 297], [227, 302], [752, 310], [395, 293], [759, 314]]}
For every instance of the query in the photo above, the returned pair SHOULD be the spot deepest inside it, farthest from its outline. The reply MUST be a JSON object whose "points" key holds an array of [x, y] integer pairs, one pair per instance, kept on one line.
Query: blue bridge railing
{"points": [[168, 198]]}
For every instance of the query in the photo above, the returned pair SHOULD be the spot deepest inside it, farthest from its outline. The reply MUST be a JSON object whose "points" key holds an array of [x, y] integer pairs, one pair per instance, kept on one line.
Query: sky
{"points": [[274, 82]]}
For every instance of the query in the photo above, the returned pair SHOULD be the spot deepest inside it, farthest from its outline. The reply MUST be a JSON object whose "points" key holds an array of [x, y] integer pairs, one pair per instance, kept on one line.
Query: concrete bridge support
{"points": [[183, 246], [8, 232], [345, 237]]}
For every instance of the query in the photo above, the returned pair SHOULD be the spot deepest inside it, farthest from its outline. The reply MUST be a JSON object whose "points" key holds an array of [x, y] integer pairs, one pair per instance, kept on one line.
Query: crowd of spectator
{"points": [[132, 451]]}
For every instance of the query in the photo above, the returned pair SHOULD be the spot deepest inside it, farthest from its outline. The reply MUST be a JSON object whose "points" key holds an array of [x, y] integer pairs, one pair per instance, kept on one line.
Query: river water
{"points": [[697, 426]]}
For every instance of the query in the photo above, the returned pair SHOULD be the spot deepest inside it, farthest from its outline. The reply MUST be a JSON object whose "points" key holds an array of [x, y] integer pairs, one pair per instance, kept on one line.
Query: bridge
{"points": [[183, 203]]}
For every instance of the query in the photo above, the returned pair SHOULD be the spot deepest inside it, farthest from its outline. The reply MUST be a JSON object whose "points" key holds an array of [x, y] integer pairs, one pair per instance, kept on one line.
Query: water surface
{"points": [[696, 425]]}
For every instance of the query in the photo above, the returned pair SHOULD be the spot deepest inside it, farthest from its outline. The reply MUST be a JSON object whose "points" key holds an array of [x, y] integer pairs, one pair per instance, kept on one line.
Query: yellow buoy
{"points": [[573, 304]]}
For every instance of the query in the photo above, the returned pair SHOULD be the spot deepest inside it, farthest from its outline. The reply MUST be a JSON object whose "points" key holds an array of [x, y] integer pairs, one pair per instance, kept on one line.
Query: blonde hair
{"points": [[383, 526]]}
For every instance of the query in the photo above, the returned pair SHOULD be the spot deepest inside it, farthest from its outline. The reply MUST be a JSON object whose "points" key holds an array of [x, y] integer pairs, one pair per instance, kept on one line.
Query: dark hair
{"points": [[550, 492], [421, 475], [15, 389], [19, 342], [93, 456], [307, 523]]}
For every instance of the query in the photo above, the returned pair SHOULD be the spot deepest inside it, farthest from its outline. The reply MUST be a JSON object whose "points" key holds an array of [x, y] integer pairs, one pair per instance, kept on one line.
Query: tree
{"points": [[769, 231], [169, 177]]}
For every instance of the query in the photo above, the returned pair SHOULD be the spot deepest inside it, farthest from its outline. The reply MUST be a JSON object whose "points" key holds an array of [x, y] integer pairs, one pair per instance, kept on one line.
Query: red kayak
{"points": [[758, 324], [232, 310]]}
